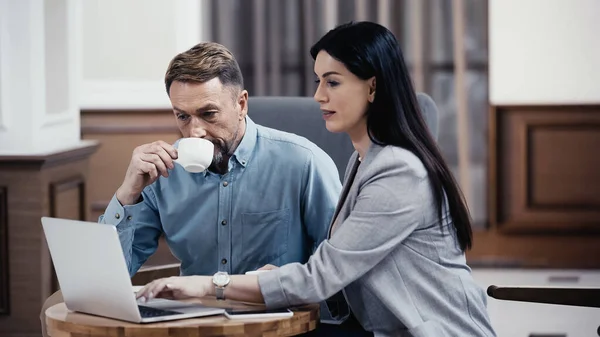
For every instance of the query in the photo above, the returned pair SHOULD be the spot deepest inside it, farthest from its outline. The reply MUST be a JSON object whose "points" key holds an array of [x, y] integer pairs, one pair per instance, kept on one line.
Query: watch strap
{"points": [[220, 292]]}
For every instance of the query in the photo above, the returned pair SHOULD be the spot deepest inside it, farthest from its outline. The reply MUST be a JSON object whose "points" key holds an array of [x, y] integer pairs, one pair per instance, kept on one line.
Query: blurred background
{"points": [[271, 39], [515, 83]]}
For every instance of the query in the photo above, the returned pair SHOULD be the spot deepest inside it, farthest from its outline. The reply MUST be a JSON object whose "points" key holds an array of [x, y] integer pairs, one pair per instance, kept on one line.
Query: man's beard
{"points": [[219, 163], [221, 157], [224, 152]]}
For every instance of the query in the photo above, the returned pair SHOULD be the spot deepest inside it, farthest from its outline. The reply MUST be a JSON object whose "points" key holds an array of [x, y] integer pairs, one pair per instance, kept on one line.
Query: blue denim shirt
{"points": [[273, 206]]}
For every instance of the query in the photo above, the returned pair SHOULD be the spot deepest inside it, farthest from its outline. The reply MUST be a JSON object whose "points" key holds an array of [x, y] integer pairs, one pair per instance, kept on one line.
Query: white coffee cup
{"points": [[195, 154]]}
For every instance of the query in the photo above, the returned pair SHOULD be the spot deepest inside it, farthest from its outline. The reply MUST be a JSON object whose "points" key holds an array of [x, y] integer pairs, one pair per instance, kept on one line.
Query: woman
{"points": [[398, 239]]}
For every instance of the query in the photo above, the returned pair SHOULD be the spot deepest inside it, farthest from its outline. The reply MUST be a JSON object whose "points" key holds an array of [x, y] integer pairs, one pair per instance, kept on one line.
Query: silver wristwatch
{"points": [[221, 280]]}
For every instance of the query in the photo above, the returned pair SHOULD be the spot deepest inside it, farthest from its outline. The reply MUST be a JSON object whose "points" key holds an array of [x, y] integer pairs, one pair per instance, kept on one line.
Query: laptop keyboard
{"points": [[147, 312]]}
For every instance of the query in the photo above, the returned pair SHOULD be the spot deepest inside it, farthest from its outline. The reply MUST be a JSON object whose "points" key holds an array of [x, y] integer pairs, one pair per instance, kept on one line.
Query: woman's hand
{"points": [[176, 287], [268, 267]]}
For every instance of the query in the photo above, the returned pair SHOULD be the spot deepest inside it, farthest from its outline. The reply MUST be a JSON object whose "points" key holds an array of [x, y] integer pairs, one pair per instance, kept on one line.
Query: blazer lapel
{"points": [[345, 190], [356, 170]]}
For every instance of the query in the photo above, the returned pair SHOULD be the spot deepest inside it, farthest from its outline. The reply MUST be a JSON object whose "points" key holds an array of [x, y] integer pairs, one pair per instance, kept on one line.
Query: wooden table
{"points": [[64, 323]]}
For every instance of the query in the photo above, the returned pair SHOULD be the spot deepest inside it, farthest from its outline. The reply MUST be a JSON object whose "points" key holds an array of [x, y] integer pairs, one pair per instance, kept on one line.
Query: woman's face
{"points": [[343, 97]]}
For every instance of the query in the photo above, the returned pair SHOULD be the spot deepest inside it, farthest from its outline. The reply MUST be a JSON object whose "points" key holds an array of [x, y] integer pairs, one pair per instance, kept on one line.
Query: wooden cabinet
{"points": [[544, 178], [545, 169], [32, 186]]}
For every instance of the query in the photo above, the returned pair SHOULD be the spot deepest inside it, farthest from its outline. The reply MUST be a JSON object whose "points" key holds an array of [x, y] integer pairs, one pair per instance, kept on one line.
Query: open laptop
{"points": [[93, 276]]}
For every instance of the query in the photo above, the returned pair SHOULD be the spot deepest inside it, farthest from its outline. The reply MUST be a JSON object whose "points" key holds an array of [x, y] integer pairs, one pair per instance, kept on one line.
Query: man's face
{"points": [[212, 111]]}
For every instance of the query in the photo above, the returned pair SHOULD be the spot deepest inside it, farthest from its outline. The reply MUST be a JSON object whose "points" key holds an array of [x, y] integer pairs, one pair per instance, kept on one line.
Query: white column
{"points": [[39, 69]]}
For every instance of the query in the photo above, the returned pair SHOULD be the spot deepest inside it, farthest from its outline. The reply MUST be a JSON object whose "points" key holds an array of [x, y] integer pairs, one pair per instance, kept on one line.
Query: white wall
{"points": [[544, 51], [57, 56], [39, 72], [3, 67], [128, 45]]}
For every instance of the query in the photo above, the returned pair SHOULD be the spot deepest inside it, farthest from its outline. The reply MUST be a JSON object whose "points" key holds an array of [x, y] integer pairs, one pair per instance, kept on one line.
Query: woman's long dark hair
{"points": [[394, 118]]}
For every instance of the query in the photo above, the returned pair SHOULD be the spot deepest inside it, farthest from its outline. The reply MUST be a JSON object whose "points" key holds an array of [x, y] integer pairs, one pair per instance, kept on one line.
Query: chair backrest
{"points": [[302, 116]]}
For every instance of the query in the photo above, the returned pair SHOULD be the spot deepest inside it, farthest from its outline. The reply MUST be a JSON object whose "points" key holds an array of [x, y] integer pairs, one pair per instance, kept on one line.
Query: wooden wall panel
{"points": [[556, 183], [25, 199], [494, 248], [543, 177], [67, 200], [544, 174], [4, 293], [549, 170], [37, 186], [120, 132]]}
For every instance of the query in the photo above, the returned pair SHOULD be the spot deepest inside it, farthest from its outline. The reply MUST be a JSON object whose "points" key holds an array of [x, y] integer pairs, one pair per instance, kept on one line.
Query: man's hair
{"points": [[202, 63]]}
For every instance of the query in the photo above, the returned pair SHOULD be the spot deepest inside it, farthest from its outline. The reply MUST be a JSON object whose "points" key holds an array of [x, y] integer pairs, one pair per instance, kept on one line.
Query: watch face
{"points": [[221, 279]]}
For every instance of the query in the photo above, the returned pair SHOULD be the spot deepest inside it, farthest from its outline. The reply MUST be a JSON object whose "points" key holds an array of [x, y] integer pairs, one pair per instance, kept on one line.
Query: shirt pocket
{"points": [[264, 236]]}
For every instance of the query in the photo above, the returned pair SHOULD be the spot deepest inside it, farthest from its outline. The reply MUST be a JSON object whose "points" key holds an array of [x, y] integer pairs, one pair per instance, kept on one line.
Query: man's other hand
{"points": [[176, 287]]}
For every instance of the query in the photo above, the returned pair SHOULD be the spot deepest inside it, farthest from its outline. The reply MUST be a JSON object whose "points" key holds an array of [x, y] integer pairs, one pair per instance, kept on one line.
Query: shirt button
{"points": [[224, 261], [117, 215], [243, 162], [224, 222], [129, 217], [225, 183]]}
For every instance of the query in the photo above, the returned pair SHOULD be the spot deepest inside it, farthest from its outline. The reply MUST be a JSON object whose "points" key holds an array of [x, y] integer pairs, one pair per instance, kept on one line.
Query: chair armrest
{"points": [[582, 297], [148, 274]]}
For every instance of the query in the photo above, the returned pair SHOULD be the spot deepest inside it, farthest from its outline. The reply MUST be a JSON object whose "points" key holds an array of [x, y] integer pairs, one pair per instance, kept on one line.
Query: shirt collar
{"points": [[244, 150]]}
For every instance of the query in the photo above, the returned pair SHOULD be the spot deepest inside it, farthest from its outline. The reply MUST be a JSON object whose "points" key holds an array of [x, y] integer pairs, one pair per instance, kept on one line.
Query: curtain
{"points": [[271, 40]]}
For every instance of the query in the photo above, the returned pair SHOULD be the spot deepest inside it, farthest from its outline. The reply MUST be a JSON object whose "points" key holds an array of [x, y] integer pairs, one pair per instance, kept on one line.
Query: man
{"points": [[267, 197]]}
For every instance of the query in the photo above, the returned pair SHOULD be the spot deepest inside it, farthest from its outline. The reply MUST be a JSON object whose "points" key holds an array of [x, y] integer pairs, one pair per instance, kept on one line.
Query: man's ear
{"points": [[372, 86], [243, 103]]}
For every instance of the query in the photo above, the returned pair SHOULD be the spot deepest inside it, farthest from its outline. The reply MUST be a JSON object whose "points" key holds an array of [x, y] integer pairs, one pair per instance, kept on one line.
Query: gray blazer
{"points": [[401, 269]]}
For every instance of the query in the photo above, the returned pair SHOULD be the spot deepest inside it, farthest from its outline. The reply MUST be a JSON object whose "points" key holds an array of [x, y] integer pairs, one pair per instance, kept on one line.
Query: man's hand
{"points": [[148, 162], [177, 287]]}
